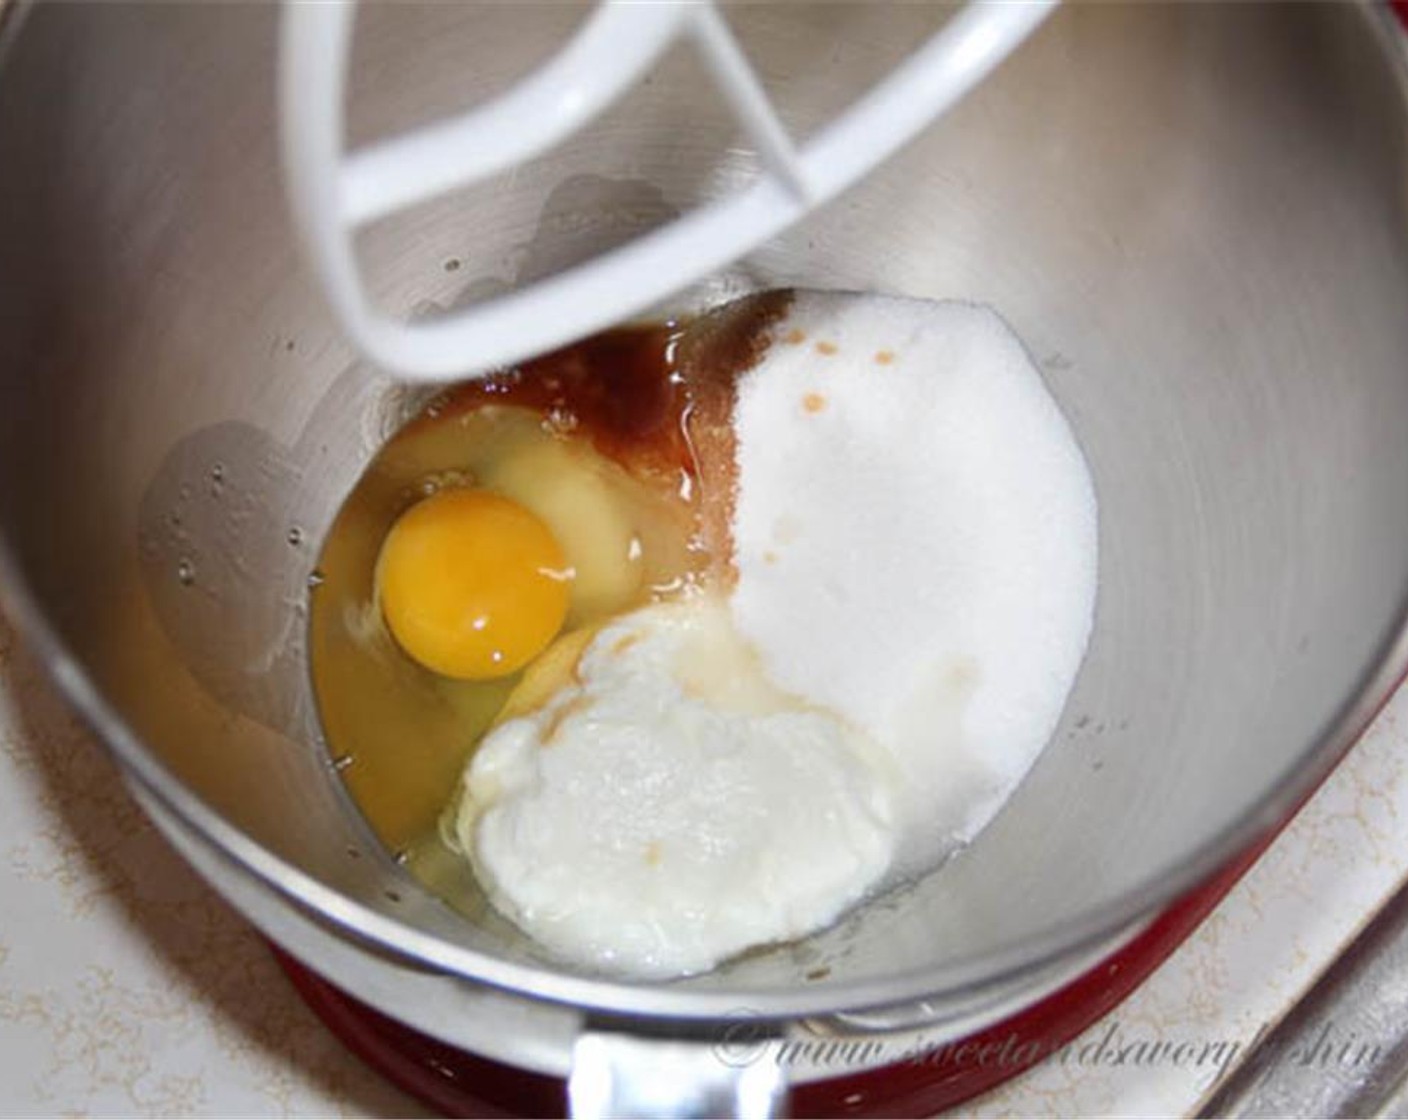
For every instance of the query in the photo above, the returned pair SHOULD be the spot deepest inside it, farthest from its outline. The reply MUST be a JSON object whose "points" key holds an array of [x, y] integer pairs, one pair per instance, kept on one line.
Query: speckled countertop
{"points": [[128, 988]]}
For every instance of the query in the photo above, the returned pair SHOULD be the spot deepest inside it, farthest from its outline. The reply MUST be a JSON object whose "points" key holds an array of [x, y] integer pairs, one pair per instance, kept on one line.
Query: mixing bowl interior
{"points": [[1193, 215]]}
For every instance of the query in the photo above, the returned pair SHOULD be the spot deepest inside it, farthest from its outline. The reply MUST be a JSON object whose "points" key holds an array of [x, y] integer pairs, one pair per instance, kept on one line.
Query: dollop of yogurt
{"points": [[670, 807]]}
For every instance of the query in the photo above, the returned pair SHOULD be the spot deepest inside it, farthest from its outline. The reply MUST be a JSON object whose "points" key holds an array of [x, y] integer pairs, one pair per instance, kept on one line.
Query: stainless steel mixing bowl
{"points": [[1196, 216]]}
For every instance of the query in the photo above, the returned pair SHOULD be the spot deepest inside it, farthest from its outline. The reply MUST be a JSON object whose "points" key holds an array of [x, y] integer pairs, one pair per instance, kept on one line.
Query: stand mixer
{"points": [[1193, 215]]}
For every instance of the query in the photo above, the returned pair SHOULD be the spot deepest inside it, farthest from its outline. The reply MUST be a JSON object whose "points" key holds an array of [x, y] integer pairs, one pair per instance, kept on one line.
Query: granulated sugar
{"points": [[915, 538]]}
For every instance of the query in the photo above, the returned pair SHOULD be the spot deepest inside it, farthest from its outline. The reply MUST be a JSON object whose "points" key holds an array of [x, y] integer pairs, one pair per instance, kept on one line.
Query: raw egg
{"points": [[472, 585]]}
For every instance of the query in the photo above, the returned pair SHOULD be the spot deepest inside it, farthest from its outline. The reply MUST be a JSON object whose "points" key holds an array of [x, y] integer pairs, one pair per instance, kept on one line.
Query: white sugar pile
{"points": [[915, 539]]}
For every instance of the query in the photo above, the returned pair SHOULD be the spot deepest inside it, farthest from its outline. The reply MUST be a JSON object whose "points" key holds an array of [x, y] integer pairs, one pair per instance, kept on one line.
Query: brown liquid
{"points": [[619, 390], [652, 404], [642, 394]]}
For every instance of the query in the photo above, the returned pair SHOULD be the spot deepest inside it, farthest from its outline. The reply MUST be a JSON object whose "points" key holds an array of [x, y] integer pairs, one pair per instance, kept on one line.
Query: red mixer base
{"points": [[457, 1083]]}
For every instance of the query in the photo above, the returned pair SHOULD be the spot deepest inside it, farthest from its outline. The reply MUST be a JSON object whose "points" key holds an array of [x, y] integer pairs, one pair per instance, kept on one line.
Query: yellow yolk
{"points": [[472, 585]]}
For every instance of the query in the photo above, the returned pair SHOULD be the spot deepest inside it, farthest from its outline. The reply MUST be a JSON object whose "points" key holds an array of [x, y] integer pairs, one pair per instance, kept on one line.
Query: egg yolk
{"points": [[472, 585]]}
